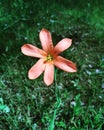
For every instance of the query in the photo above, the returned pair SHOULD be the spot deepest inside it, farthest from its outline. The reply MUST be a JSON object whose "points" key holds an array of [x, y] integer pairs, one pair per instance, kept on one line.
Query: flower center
{"points": [[49, 58]]}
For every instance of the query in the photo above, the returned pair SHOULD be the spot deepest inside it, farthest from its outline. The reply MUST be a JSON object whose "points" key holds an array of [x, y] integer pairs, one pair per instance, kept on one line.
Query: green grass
{"points": [[29, 104]]}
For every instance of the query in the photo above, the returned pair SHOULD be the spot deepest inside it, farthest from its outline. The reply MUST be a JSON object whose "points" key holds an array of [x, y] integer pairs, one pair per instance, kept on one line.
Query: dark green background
{"points": [[29, 105]]}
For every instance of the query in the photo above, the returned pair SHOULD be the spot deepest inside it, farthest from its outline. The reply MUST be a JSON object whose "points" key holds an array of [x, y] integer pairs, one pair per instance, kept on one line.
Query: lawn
{"points": [[74, 101]]}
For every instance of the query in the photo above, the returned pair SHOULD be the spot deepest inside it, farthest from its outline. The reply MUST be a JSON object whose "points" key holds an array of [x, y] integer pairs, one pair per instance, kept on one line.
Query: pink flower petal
{"points": [[33, 51], [46, 40], [49, 74], [65, 64], [37, 69], [62, 45]]}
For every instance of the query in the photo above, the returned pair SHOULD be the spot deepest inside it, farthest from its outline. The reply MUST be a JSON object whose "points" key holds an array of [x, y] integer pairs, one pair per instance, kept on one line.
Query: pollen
{"points": [[49, 57]]}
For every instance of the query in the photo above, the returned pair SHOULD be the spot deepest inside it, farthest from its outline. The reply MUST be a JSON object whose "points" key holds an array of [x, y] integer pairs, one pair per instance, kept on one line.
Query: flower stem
{"points": [[57, 104]]}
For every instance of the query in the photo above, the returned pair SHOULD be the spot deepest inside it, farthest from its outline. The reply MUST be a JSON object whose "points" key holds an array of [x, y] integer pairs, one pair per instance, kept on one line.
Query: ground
{"points": [[29, 104]]}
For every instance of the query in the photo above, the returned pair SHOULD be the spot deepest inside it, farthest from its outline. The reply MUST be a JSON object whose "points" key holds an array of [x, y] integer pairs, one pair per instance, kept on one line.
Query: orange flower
{"points": [[49, 57]]}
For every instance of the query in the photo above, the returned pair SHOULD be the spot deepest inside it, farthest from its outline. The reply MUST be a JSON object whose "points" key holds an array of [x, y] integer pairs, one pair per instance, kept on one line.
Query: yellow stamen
{"points": [[49, 58]]}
